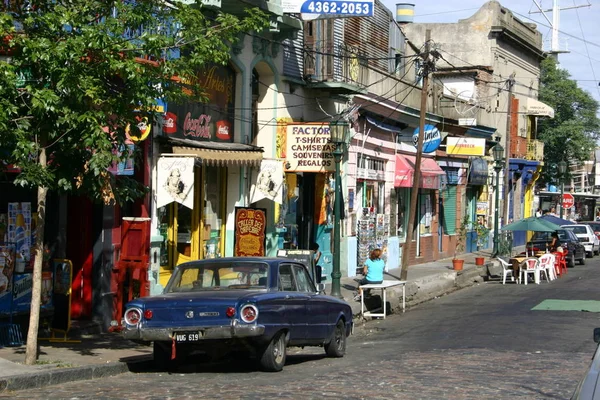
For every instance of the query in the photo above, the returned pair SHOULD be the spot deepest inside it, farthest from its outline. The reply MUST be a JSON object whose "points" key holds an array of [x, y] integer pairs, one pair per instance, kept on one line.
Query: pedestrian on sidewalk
{"points": [[372, 270]]}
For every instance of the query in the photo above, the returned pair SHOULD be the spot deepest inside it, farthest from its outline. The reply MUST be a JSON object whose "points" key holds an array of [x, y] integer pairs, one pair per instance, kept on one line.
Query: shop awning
{"points": [[219, 154], [537, 108], [478, 172], [405, 167]]}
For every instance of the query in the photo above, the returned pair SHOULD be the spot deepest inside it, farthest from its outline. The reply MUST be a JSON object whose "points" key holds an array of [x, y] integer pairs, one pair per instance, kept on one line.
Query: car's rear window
{"points": [[577, 229], [219, 276], [547, 236]]}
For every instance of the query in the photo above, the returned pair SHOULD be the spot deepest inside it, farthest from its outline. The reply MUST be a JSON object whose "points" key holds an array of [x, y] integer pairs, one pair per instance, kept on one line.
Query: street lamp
{"points": [[562, 168], [498, 152], [338, 131]]}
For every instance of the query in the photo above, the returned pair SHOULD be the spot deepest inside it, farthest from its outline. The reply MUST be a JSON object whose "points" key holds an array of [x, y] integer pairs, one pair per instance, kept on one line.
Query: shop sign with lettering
{"points": [[309, 148], [250, 232], [431, 140], [211, 121]]}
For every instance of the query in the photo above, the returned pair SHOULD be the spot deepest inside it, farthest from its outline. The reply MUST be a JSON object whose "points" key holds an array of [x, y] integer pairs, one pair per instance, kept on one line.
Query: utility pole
{"points": [[510, 82], [428, 65]]}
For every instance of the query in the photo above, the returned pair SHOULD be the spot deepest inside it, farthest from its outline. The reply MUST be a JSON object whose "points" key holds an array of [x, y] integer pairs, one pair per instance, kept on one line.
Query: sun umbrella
{"points": [[556, 220], [533, 224]]}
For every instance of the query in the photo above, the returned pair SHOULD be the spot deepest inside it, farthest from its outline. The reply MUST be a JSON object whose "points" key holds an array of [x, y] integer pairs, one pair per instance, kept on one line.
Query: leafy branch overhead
{"points": [[573, 132], [80, 72]]}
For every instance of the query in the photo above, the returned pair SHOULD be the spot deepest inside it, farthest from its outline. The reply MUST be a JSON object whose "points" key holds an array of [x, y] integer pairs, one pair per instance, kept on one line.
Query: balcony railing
{"points": [[535, 150], [326, 61]]}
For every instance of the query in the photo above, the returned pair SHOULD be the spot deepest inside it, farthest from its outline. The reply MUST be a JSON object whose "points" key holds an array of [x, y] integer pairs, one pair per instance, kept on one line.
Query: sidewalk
{"points": [[93, 354]]}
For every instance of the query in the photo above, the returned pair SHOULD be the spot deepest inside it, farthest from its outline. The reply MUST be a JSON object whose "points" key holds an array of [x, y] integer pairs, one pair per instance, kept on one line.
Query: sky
{"points": [[579, 32]]}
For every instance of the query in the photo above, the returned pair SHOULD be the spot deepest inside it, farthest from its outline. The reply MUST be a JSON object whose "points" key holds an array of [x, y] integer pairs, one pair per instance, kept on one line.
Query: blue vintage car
{"points": [[256, 305]]}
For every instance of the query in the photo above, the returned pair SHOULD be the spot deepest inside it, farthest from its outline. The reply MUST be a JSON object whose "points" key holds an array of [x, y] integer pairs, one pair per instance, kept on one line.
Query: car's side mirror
{"points": [[597, 335], [320, 288]]}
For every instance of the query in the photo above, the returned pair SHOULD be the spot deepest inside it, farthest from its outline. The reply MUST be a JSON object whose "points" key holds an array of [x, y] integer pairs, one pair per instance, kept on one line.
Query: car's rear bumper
{"points": [[234, 330], [589, 247]]}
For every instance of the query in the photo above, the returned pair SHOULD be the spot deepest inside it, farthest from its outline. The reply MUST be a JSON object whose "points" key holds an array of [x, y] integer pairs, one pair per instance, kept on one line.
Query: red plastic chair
{"points": [[561, 262]]}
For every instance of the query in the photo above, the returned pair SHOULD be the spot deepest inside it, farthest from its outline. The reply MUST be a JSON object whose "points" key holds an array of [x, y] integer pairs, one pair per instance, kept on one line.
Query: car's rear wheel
{"points": [[571, 262], [582, 259], [273, 357], [162, 356], [337, 345]]}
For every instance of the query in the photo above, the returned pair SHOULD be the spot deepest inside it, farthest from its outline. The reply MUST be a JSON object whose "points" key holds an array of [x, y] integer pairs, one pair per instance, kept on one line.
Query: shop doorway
{"points": [[79, 249], [198, 233]]}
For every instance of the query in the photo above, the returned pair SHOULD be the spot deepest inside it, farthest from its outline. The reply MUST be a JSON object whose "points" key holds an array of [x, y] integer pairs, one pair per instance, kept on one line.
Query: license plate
{"points": [[187, 337]]}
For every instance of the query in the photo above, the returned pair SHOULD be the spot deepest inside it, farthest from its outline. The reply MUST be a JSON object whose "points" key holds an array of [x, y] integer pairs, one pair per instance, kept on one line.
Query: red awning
{"points": [[405, 167]]}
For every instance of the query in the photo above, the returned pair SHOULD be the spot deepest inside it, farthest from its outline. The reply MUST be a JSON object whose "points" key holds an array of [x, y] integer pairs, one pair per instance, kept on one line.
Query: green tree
{"points": [[79, 73], [572, 134]]}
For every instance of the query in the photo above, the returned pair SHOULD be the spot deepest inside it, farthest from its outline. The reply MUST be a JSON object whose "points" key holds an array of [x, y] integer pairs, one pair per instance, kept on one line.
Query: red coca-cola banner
{"points": [[212, 121]]}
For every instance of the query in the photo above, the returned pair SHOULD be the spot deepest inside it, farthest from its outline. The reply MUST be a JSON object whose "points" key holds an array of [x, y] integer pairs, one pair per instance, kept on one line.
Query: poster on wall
{"points": [[250, 232], [19, 229], [309, 148], [175, 181], [7, 268], [268, 182]]}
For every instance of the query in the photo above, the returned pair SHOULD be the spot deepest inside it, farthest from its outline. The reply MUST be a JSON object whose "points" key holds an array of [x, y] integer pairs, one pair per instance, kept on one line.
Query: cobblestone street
{"points": [[447, 374], [483, 342]]}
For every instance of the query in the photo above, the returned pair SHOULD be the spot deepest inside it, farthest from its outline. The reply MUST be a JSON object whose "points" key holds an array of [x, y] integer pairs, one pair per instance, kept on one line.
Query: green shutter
{"points": [[449, 214]]}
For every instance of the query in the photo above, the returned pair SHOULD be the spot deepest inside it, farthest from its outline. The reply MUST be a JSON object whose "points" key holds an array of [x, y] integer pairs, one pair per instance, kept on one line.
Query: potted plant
{"points": [[461, 240], [483, 233]]}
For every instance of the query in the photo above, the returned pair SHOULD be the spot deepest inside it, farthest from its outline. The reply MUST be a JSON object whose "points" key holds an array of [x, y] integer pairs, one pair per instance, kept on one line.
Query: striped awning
{"points": [[222, 158], [218, 153]]}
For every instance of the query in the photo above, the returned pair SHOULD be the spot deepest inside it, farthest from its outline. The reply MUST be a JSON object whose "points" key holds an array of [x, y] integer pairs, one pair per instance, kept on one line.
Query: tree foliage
{"points": [[79, 73], [572, 134], [80, 68]]}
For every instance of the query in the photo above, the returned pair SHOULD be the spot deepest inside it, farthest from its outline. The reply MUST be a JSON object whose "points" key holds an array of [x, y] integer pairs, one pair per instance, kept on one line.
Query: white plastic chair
{"points": [[547, 265], [530, 266], [506, 270]]}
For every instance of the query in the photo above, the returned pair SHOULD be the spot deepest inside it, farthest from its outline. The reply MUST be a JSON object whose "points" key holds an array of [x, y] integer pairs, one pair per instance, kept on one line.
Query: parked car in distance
{"points": [[588, 387], [595, 227], [567, 240], [254, 305], [586, 236]]}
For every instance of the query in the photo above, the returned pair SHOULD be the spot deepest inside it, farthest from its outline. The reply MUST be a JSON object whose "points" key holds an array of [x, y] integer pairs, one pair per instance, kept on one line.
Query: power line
{"points": [[586, 47]]}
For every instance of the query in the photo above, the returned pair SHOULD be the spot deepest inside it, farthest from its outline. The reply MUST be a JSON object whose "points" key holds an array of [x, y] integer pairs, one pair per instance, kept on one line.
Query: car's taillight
{"points": [[148, 314], [133, 316], [585, 239], [249, 313], [230, 312]]}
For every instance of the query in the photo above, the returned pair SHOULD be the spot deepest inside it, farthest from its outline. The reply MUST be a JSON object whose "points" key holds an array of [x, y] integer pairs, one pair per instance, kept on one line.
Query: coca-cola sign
{"points": [[212, 121]]}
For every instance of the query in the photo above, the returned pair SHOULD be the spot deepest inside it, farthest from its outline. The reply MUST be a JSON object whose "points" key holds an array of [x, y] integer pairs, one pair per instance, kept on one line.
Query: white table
{"points": [[383, 286]]}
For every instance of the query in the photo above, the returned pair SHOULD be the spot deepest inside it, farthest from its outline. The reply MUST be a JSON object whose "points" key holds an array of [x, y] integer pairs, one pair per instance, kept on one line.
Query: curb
{"points": [[41, 379]]}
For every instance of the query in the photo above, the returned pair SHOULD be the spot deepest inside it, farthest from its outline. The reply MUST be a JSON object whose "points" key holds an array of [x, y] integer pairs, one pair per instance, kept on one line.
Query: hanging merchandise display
{"points": [[365, 233], [382, 234]]}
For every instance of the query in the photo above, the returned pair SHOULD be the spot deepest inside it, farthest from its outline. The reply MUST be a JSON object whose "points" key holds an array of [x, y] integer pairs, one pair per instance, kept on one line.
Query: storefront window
{"points": [[163, 229], [213, 212], [184, 230], [425, 212], [403, 198]]}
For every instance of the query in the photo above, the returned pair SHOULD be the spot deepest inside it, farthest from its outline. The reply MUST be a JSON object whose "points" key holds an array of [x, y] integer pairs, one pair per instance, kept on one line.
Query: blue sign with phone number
{"points": [[348, 8]]}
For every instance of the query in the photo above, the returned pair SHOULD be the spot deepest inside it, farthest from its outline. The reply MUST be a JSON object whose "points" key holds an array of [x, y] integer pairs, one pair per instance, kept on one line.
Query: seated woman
{"points": [[554, 244], [373, 271]]}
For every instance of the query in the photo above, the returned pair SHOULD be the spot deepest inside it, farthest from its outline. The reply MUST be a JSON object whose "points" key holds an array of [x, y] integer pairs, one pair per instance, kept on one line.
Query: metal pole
{"points": [[497, 200], [562, 195], [337, 208]]}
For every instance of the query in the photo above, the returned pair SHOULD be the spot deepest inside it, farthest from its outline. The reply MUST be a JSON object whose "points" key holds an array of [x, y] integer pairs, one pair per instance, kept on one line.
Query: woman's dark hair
{"points": [[375, 254], [314, 246]]}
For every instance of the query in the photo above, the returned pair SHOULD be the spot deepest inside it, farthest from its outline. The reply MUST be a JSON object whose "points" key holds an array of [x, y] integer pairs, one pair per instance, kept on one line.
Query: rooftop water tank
{"points": [[405, 13]]}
